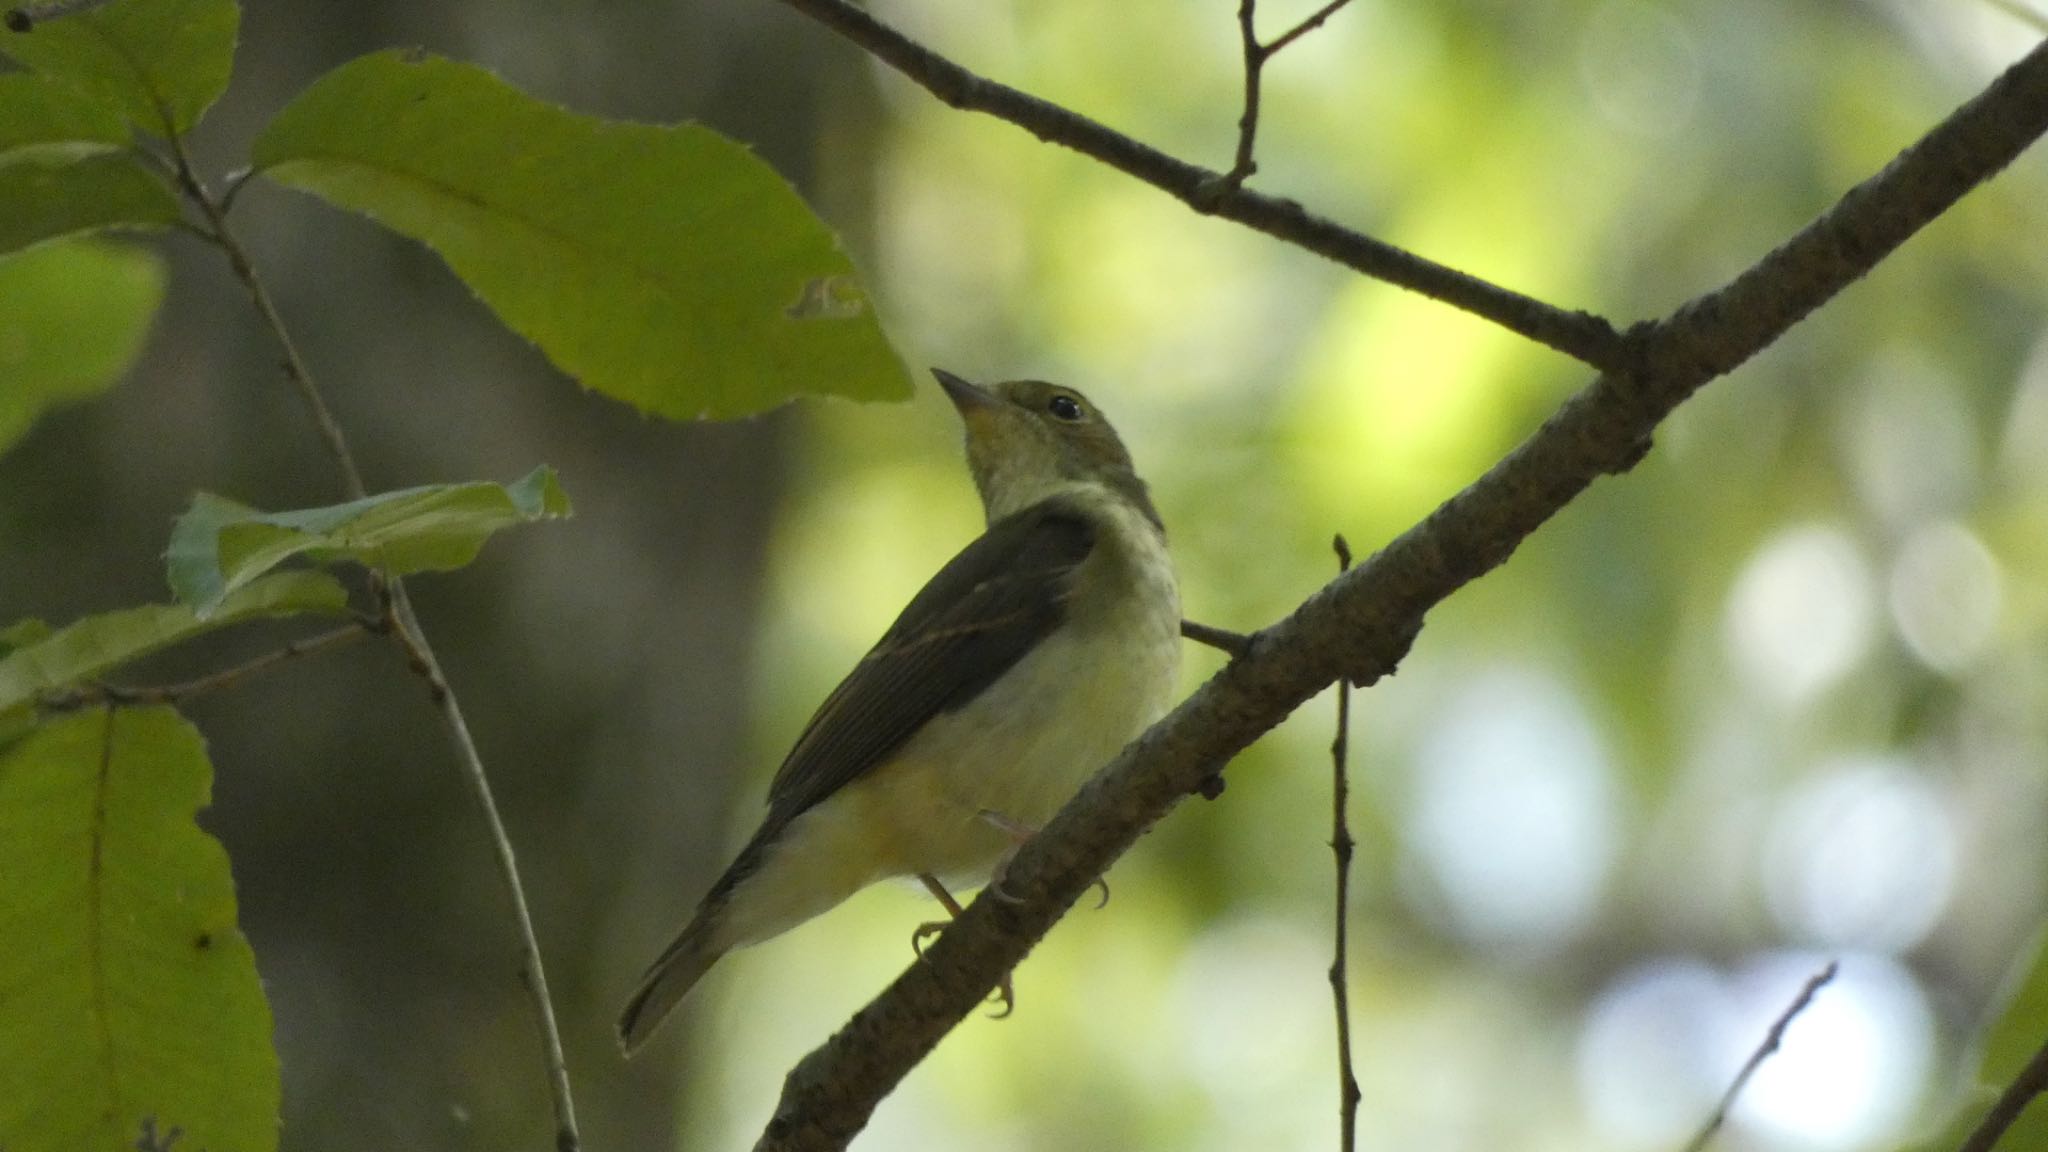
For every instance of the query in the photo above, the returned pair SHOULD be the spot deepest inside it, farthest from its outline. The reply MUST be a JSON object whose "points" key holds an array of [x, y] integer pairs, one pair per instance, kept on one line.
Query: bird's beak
{"points": [[968, 398]]}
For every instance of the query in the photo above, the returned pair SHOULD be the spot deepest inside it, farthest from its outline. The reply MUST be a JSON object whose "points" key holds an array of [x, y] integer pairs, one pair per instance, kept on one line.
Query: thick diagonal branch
{"points": [[1585, 337], [1359, 625]]}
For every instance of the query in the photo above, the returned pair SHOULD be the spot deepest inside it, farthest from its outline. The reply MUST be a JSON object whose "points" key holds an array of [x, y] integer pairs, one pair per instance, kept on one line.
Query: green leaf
{"points": [[44, 197], [129, 992], [22, 633], [667, 267], [219, 546], [2022, 1027], [90, 647], [162, 63], [2016, 1033], [38, 114], [74, 315]]}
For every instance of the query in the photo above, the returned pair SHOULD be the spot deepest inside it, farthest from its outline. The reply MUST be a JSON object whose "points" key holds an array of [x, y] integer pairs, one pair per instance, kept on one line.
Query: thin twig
{"points": [[1308, 25], [1222, 639], [294, 365], [1247, 121], [1581, 335], [428, 667], [26, 17], [1360, 624], [406, 627], [1772, 1039], [1342, 846], [2030, 1083], [1255, 57], [117, 695]]}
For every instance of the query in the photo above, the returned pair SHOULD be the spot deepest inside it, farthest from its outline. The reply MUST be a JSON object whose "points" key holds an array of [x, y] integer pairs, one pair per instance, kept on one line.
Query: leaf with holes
{"points": [[162, 63], [667, 267], [129, 991]]}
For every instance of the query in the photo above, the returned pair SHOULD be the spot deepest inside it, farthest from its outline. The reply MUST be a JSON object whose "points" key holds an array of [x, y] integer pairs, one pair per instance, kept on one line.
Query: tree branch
{"points": [[406, 627], [1581, 335], [1359, 625]]}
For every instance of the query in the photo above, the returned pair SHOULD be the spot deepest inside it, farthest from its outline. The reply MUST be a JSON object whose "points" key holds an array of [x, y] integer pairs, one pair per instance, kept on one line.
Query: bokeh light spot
{"points": [[1640, 68], [1862, 856], [1643, 1057], [1800, 615], [1946, 596], [1514, 811]]}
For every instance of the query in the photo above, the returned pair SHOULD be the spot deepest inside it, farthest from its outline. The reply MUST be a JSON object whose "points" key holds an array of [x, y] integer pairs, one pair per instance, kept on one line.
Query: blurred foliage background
{"points": [[1775, 696]]}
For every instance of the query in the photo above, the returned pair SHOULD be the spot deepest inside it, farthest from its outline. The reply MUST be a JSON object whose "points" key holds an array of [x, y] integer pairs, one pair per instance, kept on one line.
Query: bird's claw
{"points": [[925, 932], [1008, 995], [1102, 882], [1004, 992]]}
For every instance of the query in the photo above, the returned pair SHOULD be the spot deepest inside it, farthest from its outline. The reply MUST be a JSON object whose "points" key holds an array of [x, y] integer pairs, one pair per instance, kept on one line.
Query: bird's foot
{"points": [[930, 928]]}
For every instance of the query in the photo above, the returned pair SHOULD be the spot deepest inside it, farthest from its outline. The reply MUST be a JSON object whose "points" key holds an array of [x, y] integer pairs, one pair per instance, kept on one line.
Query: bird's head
{"points": [[1028, 440]]}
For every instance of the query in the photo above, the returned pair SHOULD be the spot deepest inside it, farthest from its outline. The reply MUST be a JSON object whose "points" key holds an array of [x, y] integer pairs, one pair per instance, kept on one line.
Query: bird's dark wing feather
{"points": [[982, 612]]}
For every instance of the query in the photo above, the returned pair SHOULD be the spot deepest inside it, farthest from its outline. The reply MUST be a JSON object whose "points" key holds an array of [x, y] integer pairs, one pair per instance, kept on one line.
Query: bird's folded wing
{"points": [[979, 615]]}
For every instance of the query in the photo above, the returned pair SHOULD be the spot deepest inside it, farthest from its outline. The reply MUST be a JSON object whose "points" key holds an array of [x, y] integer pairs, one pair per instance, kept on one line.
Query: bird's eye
{"points": [[1064, 407]]}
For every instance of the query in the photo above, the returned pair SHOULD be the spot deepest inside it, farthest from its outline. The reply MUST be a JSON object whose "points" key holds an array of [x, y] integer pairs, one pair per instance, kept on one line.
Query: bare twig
{"points": [[2030, 1083], [1342, 845], [1581, 335], [1221, 639], [1242, 166], [1255, 57], [1360, 623], [1311, 23], [294, 365], [1772, 1040], [26, 17], [406, 627], [117, 695]]}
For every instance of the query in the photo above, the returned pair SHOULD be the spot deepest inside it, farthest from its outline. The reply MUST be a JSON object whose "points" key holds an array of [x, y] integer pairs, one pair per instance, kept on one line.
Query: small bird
{"points": [[1021, 668]]}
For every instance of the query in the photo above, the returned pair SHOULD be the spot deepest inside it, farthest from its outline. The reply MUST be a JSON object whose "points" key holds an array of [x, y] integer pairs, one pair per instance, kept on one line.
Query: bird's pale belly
{"points": [[1017, 753]]}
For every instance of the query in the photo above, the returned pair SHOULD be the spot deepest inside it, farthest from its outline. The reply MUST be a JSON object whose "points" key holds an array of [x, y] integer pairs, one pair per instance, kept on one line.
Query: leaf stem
{"points": [[406, 628], [121, 696]]}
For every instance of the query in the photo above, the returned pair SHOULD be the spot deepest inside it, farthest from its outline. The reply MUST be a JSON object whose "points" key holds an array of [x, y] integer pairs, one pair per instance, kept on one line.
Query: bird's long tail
{"points": [[668, 980]]}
